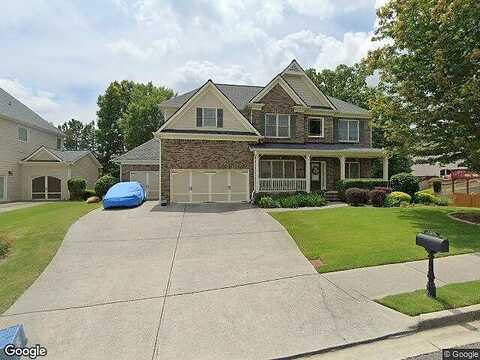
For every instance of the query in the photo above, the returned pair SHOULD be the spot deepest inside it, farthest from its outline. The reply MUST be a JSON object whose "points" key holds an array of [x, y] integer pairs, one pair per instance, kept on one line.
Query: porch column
{"points": [[385, 168], [342, 168], [307, 173], [256, 180]]}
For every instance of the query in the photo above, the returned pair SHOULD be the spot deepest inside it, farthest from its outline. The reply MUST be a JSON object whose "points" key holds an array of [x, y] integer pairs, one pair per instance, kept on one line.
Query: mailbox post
{"points": [[432, 243]]}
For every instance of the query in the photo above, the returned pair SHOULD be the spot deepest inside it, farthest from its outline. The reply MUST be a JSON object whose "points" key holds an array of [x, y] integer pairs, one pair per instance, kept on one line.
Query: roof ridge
{"points": [[256, 86]]}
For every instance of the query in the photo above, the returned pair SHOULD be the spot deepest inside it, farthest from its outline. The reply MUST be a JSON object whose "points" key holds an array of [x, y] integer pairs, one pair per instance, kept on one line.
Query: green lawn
{"points": [[352, 237], [448, 297], [37, 232]]}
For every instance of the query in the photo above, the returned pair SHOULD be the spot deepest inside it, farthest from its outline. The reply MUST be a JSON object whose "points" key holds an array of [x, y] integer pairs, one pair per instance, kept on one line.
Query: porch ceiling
{"points": [[316, 149]]}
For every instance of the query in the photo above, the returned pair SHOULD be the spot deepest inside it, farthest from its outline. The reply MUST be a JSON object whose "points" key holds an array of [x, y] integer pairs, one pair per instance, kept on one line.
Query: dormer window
{"points": [[210, 117]]}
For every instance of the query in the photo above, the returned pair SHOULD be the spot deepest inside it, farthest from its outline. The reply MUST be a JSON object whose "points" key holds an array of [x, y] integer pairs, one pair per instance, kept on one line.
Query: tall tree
{"points": [[111, 108], [430, 70], [143, 115], [78, 136]]}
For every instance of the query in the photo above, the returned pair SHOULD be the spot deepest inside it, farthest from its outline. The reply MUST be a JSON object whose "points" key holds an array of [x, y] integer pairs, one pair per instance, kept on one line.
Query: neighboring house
{"points": [[435, 170], [33, 164], [222, 143]]}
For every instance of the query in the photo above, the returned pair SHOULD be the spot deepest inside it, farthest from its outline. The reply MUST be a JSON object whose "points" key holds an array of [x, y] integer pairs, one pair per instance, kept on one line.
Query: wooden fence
{"points": [[468, 200]]}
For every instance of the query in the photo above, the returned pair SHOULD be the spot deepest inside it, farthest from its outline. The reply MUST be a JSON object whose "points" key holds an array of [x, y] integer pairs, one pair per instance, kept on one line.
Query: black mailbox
{"points": [[432, 243]]}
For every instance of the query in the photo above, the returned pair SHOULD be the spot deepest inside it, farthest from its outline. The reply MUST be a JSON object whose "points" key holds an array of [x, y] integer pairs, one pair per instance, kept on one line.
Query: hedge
{"points": [[76, 187], [103, 184], [356, 196], [406, 183], [368, 184]]}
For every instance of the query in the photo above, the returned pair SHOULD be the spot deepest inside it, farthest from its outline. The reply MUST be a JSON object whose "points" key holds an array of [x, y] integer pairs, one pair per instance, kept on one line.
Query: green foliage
{"points": [[289, 201], [356, 196], [89, 193], [368, 184], [425, 197], [5, 245], [443, 201], [397, 199], [267, 201], [76, 187], [311, 200], [377, 197], [103, 184], [428, 64], [437, 186], [79, 136], [406, 183]]}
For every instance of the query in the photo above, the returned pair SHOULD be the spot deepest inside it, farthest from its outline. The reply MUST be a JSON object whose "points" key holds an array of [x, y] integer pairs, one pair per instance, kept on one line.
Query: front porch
{"points": [[287, 170]]}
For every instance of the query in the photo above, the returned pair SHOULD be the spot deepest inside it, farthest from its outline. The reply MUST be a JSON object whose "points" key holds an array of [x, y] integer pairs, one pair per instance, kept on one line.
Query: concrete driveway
{"points": [[180, 282]]}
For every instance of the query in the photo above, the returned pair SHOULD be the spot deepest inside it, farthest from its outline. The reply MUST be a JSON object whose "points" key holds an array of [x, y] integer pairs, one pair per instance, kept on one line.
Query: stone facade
{"points": [[203, 154], [125, 175]]}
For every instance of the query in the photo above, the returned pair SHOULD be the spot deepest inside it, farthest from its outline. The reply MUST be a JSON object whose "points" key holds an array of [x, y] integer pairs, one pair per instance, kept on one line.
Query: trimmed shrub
{"points": [[369, 184], [425, 197], [89, 193], [76, 187], [377, 197], [356, 196], [397, 199], [387, 190], [103, 184], [406, 183], [268, 202], [291, 201], [311, 200], [437, 186], [443, 201]]}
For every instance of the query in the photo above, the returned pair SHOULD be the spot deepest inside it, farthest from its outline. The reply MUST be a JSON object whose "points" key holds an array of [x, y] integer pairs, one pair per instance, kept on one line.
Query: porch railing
{"points": [[279, 185]]}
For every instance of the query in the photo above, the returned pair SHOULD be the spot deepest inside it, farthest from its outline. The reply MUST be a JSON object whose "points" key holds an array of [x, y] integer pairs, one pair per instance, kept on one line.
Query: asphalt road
{"points": [[438, 354]]}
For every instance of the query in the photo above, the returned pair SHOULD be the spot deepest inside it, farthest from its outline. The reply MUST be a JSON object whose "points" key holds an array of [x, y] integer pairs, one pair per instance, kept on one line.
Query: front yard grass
{"points": [[35, 233], [448, 297], [353, 237]]}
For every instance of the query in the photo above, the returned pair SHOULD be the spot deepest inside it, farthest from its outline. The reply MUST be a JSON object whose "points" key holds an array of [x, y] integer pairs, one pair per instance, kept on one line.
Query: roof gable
{"points": [[278, 80], [209, 95], [43, 154]]}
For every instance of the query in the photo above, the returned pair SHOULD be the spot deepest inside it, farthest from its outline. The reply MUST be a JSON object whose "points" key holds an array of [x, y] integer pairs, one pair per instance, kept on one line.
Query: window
{"points": [[23, 134], [277, 125], [209, 117], [445, 172], [277, 169], [315, 127], [352, 170], [348, 130], [59, 143]]}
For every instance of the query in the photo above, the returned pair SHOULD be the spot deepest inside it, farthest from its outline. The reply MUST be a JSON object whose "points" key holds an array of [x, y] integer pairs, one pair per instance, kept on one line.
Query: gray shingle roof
{"points": [[316, 146], [147, 151], [240, 95], [13, 109], [69, 155]]}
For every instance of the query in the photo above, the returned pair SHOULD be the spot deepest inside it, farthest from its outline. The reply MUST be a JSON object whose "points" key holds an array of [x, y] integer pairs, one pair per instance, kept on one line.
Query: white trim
{"points": [[5, 195], [323, 173], [40, 149], [199, 136], [136, 162], [338, 114], [327, 153], [323, 126], [120, 177], [46, 192], [203, 117], [348, 173], [348, 130], [160, 172], [278, 80], [18, 134], [277, 115], [190, 102]]}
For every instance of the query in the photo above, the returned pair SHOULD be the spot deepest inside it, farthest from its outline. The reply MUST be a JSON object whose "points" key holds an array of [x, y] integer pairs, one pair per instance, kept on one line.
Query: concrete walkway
{"points": [[190, 282], [379, 281], [4, 207]]}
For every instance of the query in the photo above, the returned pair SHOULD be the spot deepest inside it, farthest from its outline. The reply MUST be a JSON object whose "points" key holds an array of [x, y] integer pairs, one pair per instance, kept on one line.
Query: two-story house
{"points": [[33, 164], [223, 143]]}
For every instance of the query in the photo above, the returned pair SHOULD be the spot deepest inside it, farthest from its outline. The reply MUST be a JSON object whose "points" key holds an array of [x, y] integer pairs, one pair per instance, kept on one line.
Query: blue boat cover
{"points": [[124, 194], [12, 335]]}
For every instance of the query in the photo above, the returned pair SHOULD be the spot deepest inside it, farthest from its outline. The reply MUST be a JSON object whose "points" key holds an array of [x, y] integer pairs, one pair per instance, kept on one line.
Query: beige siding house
{"points": [[224, 142], [33, 164]]}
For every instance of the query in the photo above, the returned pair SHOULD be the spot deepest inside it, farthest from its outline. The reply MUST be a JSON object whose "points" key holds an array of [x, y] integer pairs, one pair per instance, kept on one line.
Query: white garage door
{"points": [[149, 180], [197, 186]]}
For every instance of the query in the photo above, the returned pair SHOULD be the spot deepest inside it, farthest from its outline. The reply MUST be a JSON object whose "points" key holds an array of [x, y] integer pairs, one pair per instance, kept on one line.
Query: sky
{"points": [[57, 56]]}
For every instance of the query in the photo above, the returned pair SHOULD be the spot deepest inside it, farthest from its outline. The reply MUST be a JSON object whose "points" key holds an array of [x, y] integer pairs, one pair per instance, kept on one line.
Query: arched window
{"points": [[46, 188]]}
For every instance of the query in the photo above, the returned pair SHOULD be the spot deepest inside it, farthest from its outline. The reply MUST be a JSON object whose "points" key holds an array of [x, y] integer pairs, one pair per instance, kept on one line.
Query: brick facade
{"points": [[203, 154], [125, 176]]}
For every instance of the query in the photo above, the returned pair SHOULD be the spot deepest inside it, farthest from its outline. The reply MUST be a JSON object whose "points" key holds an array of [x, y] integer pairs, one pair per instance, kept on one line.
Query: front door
{"points": [[318, 175]]}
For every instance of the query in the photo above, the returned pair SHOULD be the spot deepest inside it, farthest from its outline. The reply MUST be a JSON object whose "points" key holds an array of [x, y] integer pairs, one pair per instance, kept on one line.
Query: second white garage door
{"points": [[197, 186], [149, 180]]}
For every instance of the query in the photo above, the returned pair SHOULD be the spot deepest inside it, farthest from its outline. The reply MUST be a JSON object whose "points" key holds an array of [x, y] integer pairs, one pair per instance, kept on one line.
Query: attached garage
{"points": [[198, 186], [150, 181]]}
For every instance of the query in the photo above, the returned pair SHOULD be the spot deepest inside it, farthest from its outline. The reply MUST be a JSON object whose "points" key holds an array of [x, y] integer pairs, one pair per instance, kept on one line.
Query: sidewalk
{"points": [[379, 281]]}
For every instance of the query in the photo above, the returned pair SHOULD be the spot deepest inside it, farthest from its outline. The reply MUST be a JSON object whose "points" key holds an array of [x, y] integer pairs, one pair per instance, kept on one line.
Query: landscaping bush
{"points": [[103, 184], [437, 186], [406, 183], [311, 200], [267, 201], [89, 193], [356, 196], [369, 184], [5, 245], [397, 199], [425, 197], [290, 201], [76, 187], [377, 197], [387, 190], [443, 201]]}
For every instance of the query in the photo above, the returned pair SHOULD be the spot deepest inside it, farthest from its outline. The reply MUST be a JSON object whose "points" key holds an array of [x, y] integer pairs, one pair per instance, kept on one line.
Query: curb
{"points": [[448, 317], [451, 216]]}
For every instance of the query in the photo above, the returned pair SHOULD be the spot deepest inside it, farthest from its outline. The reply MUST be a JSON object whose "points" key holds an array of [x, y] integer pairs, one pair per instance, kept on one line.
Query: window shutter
{"points": [[220, 118], [199, 117], [293, 127]]}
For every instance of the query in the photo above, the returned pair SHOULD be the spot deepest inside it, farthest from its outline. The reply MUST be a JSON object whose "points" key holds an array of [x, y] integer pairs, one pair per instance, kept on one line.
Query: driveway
{"points": [[199, 282]]}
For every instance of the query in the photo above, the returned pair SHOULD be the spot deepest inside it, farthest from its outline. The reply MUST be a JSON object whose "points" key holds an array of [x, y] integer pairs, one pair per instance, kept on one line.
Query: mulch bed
{"points": [[470, 217]]}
